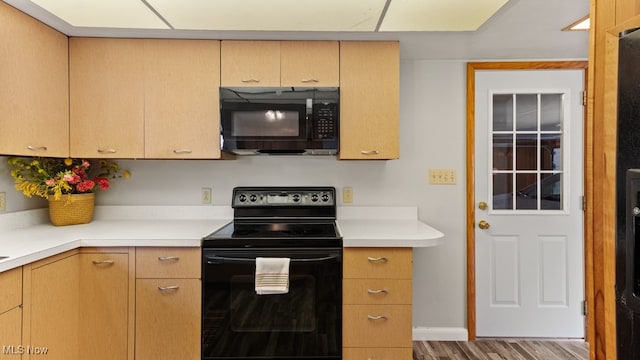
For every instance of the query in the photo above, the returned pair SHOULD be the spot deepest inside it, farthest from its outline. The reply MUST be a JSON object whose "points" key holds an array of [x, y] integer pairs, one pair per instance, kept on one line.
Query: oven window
{"points": [[273, 123], [294, 311]]}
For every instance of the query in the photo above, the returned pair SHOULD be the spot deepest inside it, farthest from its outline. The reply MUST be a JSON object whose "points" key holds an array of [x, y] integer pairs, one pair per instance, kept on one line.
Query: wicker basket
{"points": [[76, 210]]}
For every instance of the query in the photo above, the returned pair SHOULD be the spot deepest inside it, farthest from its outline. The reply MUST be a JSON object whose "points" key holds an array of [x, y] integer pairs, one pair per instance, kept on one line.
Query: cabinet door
{"points": [[626, 9], [51, 307], [11, 334], [107, 97], [182, 119], [103, 308], [310, 63], [369, 100], [250, 63], [168, 319], [34, 95]]}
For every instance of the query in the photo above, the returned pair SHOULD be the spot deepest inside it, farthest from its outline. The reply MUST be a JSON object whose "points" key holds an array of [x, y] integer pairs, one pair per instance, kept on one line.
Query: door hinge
{"points": [[583, 203], [584, 307], [584, 98]]}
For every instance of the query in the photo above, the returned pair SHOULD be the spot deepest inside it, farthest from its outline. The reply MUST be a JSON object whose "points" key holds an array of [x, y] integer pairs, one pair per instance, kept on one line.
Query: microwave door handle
{"points": [[212, 260]]}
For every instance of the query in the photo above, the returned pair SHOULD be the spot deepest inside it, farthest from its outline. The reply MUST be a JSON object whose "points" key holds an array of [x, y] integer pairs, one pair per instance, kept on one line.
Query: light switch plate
{"points": [[347, 195], [3, 201], [441, 176]]}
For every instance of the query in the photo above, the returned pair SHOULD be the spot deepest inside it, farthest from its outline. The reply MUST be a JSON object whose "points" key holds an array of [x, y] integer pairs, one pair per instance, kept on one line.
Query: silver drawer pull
{"points": [[312, 80], [168, 288], [379, 291], [107, 151], [375, 318], [168, 258], [102, 262], [369, 152], [182, 151], [34, 148], [376, 259], [252, 80]]}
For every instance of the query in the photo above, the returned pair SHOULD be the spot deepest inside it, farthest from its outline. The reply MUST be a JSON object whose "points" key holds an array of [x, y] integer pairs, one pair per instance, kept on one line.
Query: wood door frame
{"points": [[472, 67]]}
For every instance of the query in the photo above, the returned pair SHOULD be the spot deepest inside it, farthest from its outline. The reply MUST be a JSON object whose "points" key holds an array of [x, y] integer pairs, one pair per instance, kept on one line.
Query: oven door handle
{"points": [[212, 260]]}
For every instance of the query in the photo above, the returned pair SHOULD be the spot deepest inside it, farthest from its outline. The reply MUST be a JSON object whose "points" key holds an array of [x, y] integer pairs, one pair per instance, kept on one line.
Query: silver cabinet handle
{"points": [[376, 259], [369, 152], [182, 151], [102, 262], [107, 151], [168, 258], [34, 148], [312, 80], [168, 288], [251, 80], [374, 318], [379, 291]]}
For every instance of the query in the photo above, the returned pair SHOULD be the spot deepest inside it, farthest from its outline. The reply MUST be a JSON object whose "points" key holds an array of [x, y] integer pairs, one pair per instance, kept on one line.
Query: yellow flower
{"points": [[126, 174], [68, 161]]}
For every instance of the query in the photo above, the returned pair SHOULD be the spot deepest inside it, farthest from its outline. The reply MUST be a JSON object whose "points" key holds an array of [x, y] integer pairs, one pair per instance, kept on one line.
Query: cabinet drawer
{"points": [[168, 319], [376, 291], [378, 263], [359, 330], [377, 354], [10, 289], [168, 262]]}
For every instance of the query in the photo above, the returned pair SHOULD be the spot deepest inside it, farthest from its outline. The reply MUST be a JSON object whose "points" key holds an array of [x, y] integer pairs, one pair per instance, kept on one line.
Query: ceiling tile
{"points": [[108, 14], [273, 15], [439, 15]]}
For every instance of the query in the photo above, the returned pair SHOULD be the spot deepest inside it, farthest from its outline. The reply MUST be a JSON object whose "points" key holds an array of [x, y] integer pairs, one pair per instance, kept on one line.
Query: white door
{"points": [[529, 173]]}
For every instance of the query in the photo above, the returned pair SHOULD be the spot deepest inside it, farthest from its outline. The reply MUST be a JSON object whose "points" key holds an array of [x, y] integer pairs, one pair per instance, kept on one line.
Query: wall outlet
{"points": [[347, 195], [206, 195], [3, 201], [441, 176]]}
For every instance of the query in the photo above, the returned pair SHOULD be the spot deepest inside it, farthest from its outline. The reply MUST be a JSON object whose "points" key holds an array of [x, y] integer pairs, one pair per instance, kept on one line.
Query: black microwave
{"points": [[280, 121]]}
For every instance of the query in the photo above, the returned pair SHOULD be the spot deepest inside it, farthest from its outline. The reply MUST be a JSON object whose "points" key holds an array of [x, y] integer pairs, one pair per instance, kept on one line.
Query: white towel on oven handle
{"points": [[272, 275]]}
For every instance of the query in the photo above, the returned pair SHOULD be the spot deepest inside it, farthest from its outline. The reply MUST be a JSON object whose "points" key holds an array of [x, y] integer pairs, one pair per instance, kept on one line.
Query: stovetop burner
{"points": [[279, 217]]}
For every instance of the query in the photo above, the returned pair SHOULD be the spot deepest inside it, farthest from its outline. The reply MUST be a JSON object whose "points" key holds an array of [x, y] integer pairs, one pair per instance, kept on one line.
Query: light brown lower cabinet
{"points": [[104, 305], [11, 314], [167, 319], [377, 311], [168, 301], [51, 303]]}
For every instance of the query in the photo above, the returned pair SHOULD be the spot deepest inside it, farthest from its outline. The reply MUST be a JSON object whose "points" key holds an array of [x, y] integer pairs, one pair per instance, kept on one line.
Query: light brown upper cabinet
{"points": [[250, 63], [369, 100], [181, 118], [280, 63], [309, 63], [145, 98], [626, 9], [34, 96], [107, 97]]}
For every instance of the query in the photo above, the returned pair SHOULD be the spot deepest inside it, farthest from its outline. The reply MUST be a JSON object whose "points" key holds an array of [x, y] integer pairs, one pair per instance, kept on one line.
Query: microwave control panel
{"points": [[325, 121]]}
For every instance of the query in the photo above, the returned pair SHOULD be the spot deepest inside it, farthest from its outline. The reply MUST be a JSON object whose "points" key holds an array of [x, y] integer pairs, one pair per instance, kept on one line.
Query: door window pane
{"points": [[502, 151], [551, 191], [550, 152], [527, 194], [503, 112], [502, 191], [526, 112], [526, 151], [551, 109]]}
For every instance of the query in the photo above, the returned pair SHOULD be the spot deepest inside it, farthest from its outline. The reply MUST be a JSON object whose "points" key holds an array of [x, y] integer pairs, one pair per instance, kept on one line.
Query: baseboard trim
{"points": [[440, 334]]}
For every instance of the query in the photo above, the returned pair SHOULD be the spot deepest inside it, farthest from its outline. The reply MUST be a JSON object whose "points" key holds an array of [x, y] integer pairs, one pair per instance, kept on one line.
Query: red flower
{"points": [[86, 185], [103, 183]]}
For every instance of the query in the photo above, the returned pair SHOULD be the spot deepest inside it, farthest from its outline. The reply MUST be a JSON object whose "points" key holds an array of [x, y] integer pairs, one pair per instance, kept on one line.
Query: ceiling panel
{"points": [[273, 15], [109, 14], [439, 15]]}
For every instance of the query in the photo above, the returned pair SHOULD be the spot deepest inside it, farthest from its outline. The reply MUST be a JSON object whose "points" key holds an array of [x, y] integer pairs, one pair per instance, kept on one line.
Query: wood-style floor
{"points": [[501, 349]]}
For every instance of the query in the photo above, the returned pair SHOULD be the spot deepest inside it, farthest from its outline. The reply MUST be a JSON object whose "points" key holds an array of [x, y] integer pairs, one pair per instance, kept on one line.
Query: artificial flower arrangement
{"points": [[46, 177]]}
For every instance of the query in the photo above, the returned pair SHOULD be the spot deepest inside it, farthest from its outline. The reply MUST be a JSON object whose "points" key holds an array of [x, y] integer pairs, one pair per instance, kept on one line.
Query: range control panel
{"points": [[285, 197]]}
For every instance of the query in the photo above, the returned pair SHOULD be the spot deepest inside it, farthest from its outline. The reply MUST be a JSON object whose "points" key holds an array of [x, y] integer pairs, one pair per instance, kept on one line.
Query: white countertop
{"points": [[28, 236]]}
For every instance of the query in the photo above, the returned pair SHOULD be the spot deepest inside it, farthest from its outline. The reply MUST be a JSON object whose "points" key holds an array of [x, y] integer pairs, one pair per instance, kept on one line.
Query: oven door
{"points": [[305, 323]]}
